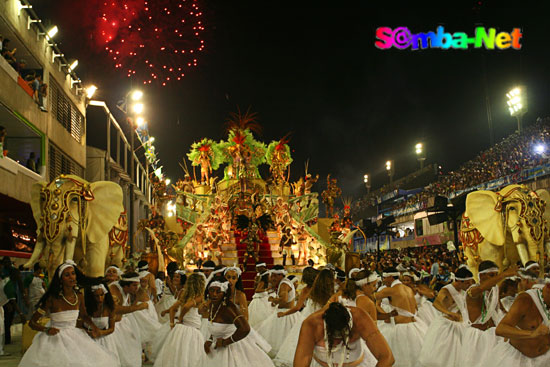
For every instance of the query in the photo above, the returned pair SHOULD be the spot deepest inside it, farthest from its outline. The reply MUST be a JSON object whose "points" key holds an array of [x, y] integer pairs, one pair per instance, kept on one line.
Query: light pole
{"points": [[367, 182], [132, 100], [389, 168], [419, 148], [517, 104]]}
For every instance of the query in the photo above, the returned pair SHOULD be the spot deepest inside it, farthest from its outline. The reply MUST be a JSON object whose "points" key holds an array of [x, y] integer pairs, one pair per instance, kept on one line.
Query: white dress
{"points": [[71, 347], [126, 337], [285, 356], [184, 346], [426, 311], [355, 354], [478, 344], [146, 323], [443, 341], [166, 301], [276, 329], [405, 340], [259, 308], [243, 353], [107, 341], [506, 355]]}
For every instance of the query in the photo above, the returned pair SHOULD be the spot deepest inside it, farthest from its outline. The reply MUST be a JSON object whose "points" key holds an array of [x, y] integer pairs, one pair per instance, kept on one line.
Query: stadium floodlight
{"points": [[419, 149], [73, 66], [540, 149], [367, 182], [168, 181], [90, 91], [138, 107], [136, 95], [140, 121], [517, 104], [389, 168]]}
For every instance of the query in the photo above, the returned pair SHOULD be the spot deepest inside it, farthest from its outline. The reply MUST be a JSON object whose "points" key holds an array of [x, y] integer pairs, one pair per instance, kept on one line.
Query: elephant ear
{"points": [[481, 208], [544, 195], [36, 203], [103, 211]]}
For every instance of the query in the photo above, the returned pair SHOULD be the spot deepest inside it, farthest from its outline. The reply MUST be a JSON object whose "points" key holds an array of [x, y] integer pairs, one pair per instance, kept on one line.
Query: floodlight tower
{"points": [[517, 104], [389, 168], [367, 182], [419, 149]]}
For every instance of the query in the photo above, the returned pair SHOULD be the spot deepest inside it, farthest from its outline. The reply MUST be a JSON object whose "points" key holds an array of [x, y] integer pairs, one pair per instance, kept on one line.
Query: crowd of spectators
{"points": [[510, 156], [32, 77]]}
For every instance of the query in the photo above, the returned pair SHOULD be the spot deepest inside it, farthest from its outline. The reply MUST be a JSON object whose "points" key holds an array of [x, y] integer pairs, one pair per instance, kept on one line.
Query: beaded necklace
{"points": [[211, 318], [66, 300]]}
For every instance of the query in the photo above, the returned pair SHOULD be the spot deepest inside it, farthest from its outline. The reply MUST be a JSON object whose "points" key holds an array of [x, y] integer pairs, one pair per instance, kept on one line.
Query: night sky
{"points": [[314, 71]]}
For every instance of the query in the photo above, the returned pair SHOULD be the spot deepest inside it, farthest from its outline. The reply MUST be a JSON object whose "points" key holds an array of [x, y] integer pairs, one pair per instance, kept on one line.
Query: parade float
{"points": [[237, 217]]}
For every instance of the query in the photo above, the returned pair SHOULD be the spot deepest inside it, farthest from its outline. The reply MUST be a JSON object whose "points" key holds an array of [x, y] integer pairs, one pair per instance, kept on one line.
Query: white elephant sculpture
{"points": [[505, 226], [74, 218]]}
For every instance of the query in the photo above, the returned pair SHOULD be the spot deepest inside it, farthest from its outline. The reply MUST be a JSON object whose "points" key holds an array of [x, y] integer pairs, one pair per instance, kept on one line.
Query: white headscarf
{"points": [[65, 265]]}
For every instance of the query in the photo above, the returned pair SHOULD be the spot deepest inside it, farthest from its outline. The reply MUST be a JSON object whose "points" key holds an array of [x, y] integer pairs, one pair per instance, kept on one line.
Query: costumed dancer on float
{"points": [[274, 329], [260, 308], [332, 337], [405, 334], [101, 308], [128, 343], [443, 342], [323, 283], [422, 293], [228, 344], [169, 291], [62, 343], [178, 281], [482, 302], [285, 246], [184, 346], [526, 329]]}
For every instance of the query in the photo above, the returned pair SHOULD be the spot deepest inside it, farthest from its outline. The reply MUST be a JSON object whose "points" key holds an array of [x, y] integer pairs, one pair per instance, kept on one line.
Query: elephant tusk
{"points": [[523, 253]]}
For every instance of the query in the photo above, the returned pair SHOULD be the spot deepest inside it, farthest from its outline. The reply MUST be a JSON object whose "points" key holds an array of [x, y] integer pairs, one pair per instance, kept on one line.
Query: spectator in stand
{"points": [[31, 162], [3, 134], [8, 54]]}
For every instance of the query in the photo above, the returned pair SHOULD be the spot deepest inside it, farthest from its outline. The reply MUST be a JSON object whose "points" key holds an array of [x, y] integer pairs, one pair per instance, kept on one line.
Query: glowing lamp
{"points": [[140, 121], [73, 66], [52, 32], [90, 91], [138, 108], [136, 95], [540, 148]]}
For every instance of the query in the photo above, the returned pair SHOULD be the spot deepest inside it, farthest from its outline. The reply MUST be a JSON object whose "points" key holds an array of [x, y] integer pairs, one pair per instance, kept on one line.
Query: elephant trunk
{"points": [[36, 253], [523, 253]]}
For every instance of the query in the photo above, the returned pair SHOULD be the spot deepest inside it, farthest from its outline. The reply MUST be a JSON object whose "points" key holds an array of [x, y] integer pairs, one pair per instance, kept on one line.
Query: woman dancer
{"points": [[184, 345], [61, 343], [101, 308], [112, 274], [233, 276], [169, 291], [332, 337], [145, 321], [259, 308], [174, 284], [164, 331], [228, 344], [321, 288]]}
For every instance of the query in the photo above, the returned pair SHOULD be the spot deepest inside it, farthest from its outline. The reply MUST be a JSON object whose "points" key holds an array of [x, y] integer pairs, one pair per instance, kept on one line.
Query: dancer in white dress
{"points": [[442, 346], [62, 344], [101, 308], [275, 329], [127, 336], [112, 274], [405, 334], [184, 346], [332, 337], [143, 271], [323, 284], [174, 284], [482, 302], [259, 308], [422, 293], [228, 344], [526, 327]]}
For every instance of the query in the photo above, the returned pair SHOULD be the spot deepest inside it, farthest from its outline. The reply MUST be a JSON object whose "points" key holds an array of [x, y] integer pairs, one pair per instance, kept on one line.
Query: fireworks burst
{"points": [[152, 40]]}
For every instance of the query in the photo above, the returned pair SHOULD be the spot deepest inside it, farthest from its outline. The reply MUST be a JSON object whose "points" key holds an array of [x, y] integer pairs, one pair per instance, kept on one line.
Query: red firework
{"points": [[152, 40]]}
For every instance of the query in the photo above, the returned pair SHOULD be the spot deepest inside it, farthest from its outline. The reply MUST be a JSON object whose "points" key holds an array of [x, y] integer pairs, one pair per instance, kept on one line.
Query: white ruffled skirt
{"points": [[146, 323], [127, 343], [243, 353], [505, 355], [184, 347], [442, 344], [405, 341], [427, 312], [477, 345], [165, 303], [275, 329], [71, 347], [259, 309], [158, 341]]}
